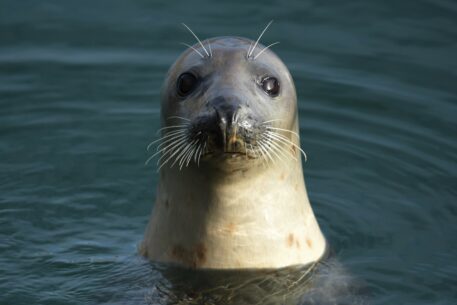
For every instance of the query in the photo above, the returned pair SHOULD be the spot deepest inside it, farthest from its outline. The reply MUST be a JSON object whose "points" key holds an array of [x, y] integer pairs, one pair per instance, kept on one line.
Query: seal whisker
{"points": [[177, 117], [168, 159], [275, 142], [254, 151], [196, 37], [246, 150], [198, 155], [282, 129], [163, 153], [258, 154], [269, 121], [249, 50], [165, 137], [169, 142], [250, 150], [163, 150], [201, 153], [185, 148], [262, 146], [257, 151], [288, 152], [183, 153], [189, 46], [149, 159], [269, 147], [210, 51], [264, 158], [188, 156], [274, 150], [174, 127], [266, 48], [267, 151], [258, 39], [192, 154], [283, 139], [183, 159], [197, 150], [281, 149], [260, 151], [169, 135], [174, 132], [153, 142], [174, 149]]}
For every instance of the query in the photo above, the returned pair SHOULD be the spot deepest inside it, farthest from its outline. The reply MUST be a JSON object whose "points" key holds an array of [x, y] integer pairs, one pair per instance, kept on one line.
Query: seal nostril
{"points": [[234, 144]]}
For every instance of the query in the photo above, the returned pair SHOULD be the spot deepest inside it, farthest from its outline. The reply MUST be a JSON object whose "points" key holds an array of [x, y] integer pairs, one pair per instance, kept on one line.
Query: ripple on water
{"points": [[79, 98]]}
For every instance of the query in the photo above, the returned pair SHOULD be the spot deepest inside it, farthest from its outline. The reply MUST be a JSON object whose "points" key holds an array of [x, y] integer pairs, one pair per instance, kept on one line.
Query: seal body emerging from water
{"points": [[231, 192]]}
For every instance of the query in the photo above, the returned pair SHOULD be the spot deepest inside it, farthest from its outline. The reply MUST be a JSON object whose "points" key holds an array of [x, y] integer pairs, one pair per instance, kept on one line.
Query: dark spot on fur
{"points": [[290, 240], [309, 242], [178, 252], [194, 257], [200, 251], [143, 250], [231, 228]]}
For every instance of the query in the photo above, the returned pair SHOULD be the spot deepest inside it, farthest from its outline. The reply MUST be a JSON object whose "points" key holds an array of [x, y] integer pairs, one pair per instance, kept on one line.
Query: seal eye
{"points": [[186, 83], [270, 85]]}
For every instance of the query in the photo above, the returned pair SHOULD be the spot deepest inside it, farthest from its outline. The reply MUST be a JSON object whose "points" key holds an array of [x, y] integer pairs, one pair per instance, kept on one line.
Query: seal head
{"points": [[226, 102]]}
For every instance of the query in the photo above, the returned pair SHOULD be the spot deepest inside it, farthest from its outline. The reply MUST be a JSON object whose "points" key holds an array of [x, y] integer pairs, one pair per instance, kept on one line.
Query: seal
{"points": [[231, 191]]}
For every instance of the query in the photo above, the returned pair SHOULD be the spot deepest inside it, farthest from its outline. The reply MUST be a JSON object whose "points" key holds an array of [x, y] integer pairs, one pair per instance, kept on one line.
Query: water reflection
{"points": [[321, 283]]}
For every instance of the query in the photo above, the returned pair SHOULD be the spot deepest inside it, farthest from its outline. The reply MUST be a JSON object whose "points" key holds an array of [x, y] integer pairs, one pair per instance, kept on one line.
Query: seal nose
{"points": [[227, 114]]}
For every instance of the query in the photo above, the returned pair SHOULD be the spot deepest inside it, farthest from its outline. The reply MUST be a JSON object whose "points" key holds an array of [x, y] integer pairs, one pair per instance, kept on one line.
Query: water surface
{"points": [[79, 102]]}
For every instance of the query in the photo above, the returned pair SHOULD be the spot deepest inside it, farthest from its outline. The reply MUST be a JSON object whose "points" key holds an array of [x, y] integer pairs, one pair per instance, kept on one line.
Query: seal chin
{"points": [[231, 159], [230, 156]]}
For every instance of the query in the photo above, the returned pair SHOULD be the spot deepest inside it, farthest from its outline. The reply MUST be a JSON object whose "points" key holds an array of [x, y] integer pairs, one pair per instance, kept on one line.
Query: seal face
{"points": [[224, 103], [231, 192]]}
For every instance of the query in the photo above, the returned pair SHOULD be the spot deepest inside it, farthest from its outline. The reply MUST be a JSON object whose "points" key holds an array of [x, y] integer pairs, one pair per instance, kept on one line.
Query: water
{"points": [[79, 97]]}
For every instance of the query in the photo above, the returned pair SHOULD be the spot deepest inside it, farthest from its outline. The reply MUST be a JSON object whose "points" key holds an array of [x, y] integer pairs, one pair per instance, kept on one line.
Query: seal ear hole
{"points": [[186, 84], [270, 85]]}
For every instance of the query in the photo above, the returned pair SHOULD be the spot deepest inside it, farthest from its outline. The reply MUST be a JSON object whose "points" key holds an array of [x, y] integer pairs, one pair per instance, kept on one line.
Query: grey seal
{"points": [[231, 191]]}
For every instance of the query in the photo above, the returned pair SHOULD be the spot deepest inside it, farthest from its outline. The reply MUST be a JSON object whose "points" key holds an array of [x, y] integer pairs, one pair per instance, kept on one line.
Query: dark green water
{"points": [[79, 98]]}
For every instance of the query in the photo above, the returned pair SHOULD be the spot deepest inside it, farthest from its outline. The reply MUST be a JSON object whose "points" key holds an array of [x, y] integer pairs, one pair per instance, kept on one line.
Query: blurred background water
{"points": [[79, 102]]}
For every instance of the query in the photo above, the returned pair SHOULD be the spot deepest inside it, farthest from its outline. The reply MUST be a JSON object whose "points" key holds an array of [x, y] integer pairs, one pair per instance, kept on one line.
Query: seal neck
{"points": [[258, 216]]}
